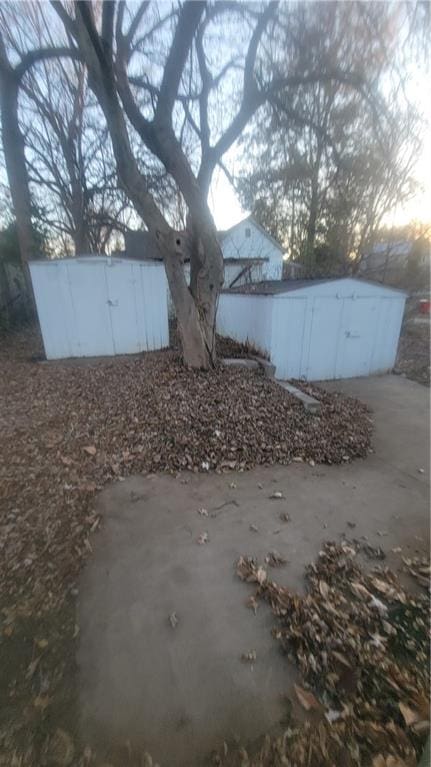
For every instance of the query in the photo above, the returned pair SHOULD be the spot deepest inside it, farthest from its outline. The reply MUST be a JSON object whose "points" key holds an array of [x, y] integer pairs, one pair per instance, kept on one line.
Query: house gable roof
{"points": [[141, 245], [226, 232]]}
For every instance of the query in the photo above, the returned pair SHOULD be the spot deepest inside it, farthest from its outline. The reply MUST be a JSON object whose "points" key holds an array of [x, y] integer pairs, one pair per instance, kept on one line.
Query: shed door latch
{"points": [[349, 334], [112, 303]]}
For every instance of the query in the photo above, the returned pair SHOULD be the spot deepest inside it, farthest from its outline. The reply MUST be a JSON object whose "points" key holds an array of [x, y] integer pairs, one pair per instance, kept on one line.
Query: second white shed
{"points": [[97, 305], [317, 329]]}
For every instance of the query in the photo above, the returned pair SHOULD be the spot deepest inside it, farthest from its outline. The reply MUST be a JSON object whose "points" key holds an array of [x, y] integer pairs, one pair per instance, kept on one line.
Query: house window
{"points": [[248, 232]]}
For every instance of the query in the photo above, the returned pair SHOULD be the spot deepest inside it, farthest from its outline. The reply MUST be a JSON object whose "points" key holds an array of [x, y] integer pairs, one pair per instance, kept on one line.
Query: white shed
{"points": [[317, 329], [97, 305]]}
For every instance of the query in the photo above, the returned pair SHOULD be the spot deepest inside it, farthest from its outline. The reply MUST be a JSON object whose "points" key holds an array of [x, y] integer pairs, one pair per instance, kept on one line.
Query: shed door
{"points": [[357, 337], [121, 301], [91, 334], [324, 331]]}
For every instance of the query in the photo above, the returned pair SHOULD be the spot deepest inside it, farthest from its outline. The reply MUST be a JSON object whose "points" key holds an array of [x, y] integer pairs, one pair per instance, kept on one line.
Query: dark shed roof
{"points": [[272, 287], [141, 245]]}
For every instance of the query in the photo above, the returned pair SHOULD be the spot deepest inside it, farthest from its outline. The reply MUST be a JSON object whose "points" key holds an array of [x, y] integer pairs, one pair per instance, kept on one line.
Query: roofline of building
{"points": [[251, 218], [291, 289]]}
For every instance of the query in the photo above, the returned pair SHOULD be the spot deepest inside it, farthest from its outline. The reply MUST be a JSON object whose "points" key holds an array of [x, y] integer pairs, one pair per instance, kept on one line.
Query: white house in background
{"points": [[250, 254]]}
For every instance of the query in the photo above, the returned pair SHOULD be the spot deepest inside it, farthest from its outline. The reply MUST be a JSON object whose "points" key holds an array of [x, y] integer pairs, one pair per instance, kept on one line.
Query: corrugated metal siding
{"points": [[247, 319], [332, 330], [287, 342], [98, 306]]}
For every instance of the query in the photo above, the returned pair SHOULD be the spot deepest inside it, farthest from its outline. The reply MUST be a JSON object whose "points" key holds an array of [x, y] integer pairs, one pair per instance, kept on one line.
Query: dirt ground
{"points": [[413, 359], [179, 692]]}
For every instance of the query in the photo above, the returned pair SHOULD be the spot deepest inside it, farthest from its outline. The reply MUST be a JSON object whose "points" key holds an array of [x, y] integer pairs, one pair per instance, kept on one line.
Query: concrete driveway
{"points": [[180, 692]]}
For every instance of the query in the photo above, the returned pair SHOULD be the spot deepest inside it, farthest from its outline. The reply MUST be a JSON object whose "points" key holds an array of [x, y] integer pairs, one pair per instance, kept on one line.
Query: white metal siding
{"points": [[98, 306], [287, 342], [339, 329], [387, 333], [247, 319]]}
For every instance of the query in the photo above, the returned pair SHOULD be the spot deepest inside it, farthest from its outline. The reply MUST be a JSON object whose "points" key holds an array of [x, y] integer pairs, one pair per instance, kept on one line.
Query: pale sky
{"points": [[227, 209]]}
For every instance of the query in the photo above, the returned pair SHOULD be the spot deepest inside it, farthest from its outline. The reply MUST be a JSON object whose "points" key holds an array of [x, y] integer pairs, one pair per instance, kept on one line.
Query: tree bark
{"points": [[195, 305], [313, 210], [16, 168]]}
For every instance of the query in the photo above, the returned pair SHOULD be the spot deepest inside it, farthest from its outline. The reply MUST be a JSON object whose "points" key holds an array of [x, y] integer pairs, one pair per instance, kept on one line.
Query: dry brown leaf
{"points": [[395, 761], [274, 559], [249, 657], [41, 702], [173, 620], [341, 658], [306, 698], [252, 603], [90, 449], [360, 591], [409, 715], [324, 589], [32, 667]]}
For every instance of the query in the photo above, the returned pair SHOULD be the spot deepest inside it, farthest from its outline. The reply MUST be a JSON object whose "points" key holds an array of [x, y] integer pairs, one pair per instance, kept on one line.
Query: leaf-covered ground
{"points": [[66, 428], [361, 643], [69, 427]]}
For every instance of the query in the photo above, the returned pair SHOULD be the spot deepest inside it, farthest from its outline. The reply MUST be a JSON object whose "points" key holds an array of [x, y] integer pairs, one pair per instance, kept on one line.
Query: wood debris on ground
{"points": [[361, 643]]}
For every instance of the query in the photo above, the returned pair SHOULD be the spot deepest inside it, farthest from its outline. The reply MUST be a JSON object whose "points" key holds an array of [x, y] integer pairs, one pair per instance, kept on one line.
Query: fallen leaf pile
{"points": [[413, 358], [66, 429], [361, 644], [69, 427], [226, 347]]}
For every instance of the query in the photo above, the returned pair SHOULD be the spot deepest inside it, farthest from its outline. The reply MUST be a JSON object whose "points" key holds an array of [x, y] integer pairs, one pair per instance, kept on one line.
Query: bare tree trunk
{"points": [[195, 306], [314, 210], [5, 295], [13, 147], [81, 236]]}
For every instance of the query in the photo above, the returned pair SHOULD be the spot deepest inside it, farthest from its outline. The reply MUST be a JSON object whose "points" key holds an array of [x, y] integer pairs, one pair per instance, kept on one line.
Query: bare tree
{"points": [[11, 75], [325, 165], [183, 77], [173, 88]]}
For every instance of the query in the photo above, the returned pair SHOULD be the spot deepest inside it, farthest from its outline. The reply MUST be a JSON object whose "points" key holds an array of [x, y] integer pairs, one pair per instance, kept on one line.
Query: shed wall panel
{"points": [[97, 306], [321, 353], [387, 333], [356, 337], [337, 329], [247, 319], [92, 329], [288, 324], [122, 308]]}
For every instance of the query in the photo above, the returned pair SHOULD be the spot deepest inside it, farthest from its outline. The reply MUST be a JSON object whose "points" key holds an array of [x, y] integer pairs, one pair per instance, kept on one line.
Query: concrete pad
{"points": [[181, 692]]}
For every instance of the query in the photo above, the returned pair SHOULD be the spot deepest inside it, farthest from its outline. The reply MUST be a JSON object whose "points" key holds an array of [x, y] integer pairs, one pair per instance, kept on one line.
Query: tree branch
{"points": [[188, 21]]}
